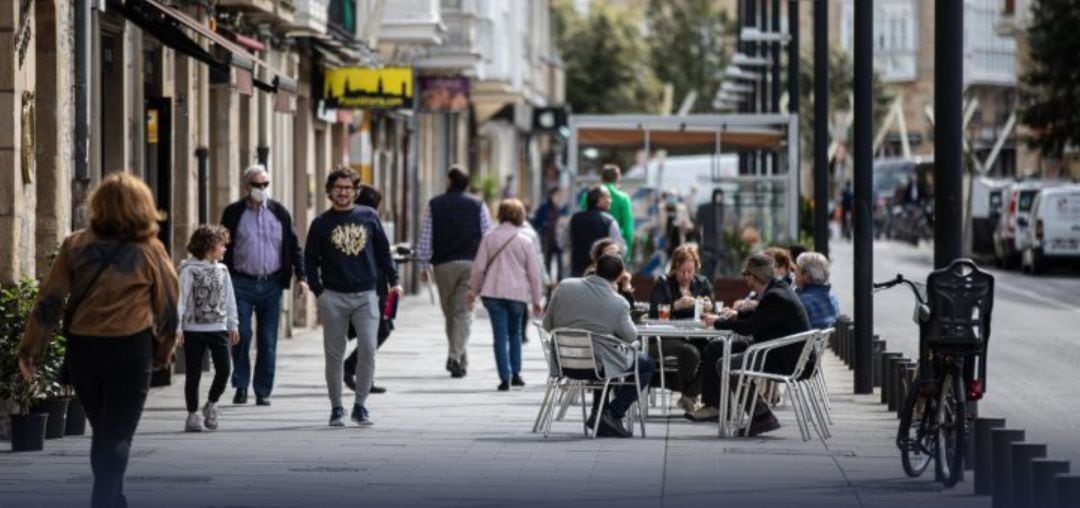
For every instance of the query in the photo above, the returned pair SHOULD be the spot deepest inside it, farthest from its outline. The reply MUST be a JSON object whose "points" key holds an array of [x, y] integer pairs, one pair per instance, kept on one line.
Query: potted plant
{"points": [[55, 393], [27, 427]]}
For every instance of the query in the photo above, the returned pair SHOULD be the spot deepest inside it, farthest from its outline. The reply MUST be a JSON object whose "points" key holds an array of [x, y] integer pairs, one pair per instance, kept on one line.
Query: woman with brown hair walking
{"points": [[120, 320]]}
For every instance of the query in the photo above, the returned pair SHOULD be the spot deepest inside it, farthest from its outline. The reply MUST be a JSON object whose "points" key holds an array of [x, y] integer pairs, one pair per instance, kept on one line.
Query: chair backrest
{"points": [[756, 355], [546, 347], [821, 341], [961, 298], [810, 342], [574, 355]]}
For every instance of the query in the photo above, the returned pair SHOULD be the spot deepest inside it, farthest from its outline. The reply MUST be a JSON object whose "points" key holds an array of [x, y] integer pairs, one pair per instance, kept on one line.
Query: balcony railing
{"points": [[311, 15]]}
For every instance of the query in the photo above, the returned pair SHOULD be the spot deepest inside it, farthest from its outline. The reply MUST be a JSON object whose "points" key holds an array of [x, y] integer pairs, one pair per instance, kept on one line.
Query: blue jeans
{"points": [[263, 297], [506, 316]]}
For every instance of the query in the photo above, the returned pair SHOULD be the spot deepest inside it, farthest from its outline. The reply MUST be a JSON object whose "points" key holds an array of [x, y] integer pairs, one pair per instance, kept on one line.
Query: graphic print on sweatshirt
{"points": [[207, 295], [350, 239]]}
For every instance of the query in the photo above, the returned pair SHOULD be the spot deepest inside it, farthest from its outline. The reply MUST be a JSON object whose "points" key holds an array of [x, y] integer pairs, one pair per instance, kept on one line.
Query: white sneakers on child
{"points": [[210, 415], [209, 419], [193, 424]]}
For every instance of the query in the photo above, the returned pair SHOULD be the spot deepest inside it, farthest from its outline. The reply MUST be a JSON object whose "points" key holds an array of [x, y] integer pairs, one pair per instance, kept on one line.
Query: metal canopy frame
{"points": [[784, 125]]}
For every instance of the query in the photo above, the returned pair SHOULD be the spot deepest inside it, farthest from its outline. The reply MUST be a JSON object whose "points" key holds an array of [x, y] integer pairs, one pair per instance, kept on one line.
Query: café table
{"points": [[659, 330]]}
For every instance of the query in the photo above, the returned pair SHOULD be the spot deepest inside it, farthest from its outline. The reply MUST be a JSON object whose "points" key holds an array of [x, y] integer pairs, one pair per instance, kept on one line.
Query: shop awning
{"points": [[722, 132], [728, 139], [167, 24]]}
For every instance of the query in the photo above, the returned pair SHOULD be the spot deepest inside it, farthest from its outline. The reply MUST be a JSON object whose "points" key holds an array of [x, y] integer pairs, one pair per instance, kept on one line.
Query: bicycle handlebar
{"points": [[901, 280], [888, 284]]}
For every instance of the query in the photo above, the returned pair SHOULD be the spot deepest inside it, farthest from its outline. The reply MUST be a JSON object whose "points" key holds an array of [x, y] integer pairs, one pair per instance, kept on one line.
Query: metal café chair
{"points": [[579, 369], [553, 397], [752, 373]]}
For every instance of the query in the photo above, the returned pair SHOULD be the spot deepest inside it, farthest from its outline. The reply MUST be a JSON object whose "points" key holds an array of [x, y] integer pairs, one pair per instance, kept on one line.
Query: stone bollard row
{"points": [[1018, 474]]}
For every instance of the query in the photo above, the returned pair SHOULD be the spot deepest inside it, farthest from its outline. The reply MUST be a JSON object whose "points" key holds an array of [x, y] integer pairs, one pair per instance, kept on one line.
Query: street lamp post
{"points": [[821, 126], [864, 242], [948, 131]]}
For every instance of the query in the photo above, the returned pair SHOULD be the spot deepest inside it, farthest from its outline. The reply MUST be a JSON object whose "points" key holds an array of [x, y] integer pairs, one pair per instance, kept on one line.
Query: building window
{"points": [[895, 37]]}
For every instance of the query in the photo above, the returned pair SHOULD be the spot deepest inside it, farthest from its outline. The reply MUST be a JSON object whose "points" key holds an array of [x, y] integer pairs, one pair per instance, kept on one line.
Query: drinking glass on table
{"points": [[664, 311]]}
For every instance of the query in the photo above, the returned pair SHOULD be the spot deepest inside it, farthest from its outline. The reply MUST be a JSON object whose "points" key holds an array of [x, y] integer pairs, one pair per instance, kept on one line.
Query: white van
{"points": [[1010, 236], [1054, 232]]}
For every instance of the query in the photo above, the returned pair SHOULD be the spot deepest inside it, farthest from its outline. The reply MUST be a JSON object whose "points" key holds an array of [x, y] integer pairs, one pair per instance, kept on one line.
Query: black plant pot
{"points": [[57, 410], [28, 432], [76, 419], [161, 377]]}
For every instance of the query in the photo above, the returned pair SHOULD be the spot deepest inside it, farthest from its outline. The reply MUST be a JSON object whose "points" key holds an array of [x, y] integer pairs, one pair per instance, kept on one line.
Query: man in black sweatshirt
{"points": [[347, 250]]}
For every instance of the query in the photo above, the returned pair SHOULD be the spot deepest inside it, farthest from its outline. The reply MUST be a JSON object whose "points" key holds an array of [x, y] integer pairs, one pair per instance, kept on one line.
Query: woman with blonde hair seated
{"points": [[683, 289]]}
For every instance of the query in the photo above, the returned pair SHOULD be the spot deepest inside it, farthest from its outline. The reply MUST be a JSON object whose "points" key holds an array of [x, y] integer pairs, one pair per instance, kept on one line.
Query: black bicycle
{"points": [[953, 313]]}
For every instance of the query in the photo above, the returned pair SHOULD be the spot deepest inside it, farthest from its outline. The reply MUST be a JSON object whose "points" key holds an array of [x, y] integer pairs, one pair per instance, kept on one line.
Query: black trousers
{"points": [[195, 346], [111, 376], [710, 386], [688, 356]]}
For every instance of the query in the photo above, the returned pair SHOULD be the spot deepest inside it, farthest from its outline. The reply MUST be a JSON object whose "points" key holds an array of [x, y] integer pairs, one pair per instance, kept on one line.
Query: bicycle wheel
{"points": [[916, 437], [950, 429]]}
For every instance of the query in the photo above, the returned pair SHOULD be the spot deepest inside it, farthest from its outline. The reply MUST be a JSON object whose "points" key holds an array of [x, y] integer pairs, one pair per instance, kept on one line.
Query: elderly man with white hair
{"points": [[816, 293], [263, 258]]}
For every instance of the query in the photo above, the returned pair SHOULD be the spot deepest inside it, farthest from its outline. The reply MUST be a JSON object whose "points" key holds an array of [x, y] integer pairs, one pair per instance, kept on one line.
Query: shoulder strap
{"points": [[74, 302], [501, 249]]}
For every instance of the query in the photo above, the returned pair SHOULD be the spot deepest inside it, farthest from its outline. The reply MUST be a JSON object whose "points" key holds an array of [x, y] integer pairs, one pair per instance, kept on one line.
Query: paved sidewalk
{"points": [[447, 442]]}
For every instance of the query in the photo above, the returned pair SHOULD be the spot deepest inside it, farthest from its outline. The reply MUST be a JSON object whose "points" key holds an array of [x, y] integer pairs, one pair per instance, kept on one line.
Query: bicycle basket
{"points": [[961, 298]]}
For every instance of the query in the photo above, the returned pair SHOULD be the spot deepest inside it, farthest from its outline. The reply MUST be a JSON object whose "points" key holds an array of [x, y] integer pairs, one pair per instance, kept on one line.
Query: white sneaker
{"points": [[210, 415], [687, 404], [193, 424]]}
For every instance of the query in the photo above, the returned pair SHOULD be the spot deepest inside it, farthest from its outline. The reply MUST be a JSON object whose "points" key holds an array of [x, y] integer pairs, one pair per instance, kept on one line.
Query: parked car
{"points": [[1009, 236], [1053, 229]]}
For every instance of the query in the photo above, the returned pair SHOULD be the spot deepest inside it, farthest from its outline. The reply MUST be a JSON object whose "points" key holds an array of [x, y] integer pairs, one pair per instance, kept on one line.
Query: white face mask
{"points": [[260, 195]]}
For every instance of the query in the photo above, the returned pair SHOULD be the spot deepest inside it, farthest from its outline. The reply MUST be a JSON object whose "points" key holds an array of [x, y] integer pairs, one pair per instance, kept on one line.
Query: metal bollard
{"points": [[878, 348], [910, 376], [1042, 481], [907, 382], [885, 357], [984, 485], [1002, 440], [899, 389], [845, 345], [890, 381], [1068, 490], [849, 339], [1022, 455]]}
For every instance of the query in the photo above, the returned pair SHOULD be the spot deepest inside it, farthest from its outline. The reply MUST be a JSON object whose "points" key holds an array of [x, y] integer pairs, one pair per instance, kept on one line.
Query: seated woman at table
{"points": [[609, 247], [681, 289]]}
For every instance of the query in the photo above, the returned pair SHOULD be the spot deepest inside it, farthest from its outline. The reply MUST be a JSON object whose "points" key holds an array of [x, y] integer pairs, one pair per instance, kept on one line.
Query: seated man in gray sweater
{"points": [[591, 303]]}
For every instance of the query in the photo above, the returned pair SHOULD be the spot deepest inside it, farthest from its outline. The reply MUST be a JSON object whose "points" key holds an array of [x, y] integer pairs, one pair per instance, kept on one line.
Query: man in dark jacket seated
{"points": [[778, 314]]}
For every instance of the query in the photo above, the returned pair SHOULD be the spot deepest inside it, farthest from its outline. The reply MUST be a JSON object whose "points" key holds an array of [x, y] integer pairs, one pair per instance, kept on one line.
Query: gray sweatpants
{"points": [[452, 279], [337, 310]]}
